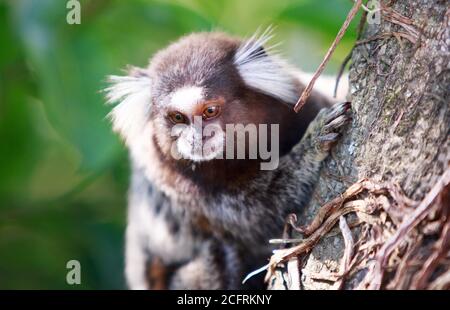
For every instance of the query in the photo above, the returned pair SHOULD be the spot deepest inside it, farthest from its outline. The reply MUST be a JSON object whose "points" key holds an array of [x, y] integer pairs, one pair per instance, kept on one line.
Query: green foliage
{"points": [[63, 173]]}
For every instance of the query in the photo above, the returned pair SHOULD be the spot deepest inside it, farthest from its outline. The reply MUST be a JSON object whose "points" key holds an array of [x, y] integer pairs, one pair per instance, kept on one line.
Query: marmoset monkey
{"points": [[201, 218]]}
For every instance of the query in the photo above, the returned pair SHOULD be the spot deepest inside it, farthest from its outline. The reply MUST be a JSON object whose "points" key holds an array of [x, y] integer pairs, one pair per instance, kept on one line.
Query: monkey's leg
{"points": [[149, 264], [216, 266], [144, 270], [157, 239]]}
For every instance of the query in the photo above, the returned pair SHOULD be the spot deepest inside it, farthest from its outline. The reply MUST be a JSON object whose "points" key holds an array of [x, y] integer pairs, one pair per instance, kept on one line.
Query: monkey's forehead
{"points": [[194, 59]]}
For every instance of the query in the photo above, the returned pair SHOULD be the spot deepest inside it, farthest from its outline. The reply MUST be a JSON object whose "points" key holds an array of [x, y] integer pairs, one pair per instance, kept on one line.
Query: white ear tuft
{"points": [[265, 71], [133, 95]]}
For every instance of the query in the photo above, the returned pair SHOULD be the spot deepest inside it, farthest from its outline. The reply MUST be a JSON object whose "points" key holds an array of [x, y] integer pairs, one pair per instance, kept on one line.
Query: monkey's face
{"points": [[190, 125], [196, 87]]}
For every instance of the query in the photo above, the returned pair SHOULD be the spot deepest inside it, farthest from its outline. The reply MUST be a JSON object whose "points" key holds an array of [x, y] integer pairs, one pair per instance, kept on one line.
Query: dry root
{"points": [[403, 244]]}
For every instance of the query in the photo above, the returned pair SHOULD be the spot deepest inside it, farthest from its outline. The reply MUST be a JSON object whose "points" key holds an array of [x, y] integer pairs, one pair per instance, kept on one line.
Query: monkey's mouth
{"points": [[201, 149]]}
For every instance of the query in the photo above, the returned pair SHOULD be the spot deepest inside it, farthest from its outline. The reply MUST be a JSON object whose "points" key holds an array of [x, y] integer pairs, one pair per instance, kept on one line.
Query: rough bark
{"points": [[399, 88]]}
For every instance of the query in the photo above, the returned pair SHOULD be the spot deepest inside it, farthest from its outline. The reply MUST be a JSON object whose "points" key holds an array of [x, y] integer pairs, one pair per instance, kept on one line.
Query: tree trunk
{"points": [[399, 138]]}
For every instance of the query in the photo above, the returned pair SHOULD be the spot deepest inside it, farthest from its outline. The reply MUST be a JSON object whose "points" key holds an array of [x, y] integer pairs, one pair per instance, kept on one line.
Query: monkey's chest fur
{"points": [[250, 213]]}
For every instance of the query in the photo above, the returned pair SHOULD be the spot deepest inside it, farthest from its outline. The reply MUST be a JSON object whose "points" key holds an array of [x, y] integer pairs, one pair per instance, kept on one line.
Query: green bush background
{"points": [[63, 173]]}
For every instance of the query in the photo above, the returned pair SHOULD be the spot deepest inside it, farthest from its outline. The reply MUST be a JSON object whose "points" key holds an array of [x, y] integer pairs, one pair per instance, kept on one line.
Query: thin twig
{"points": [[359, 32], [341, 71], [307, 91]]}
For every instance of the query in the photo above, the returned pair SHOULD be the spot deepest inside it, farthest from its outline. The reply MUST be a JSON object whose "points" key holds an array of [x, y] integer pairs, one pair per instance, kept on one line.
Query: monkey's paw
{"points": [[335, 119]]}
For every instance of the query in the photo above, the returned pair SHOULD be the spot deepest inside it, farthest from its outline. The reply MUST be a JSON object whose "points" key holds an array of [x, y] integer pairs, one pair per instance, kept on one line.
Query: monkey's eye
{"points": [[211, 111], [177, 117]]}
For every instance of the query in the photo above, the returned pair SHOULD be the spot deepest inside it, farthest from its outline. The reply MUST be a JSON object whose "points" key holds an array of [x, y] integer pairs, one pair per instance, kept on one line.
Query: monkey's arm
{"points": [[302, 164]]}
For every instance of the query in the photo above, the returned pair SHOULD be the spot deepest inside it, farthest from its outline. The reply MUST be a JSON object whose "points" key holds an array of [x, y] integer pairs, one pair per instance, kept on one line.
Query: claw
{"points": [[337, 110], [337, 117], [336, 123], [327, 141], [330, 137]]}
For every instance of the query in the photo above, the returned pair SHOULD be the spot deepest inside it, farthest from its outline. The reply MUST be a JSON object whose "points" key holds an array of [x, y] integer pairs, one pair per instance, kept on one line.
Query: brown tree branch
{"points": [[307, 91]]}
